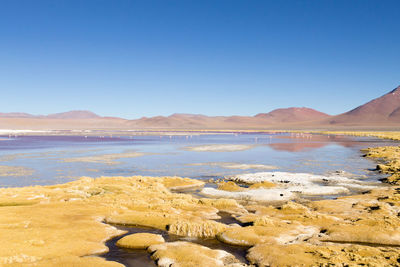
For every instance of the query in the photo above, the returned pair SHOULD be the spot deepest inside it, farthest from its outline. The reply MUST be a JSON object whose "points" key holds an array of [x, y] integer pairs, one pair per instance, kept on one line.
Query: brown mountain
{"points": [[175, 121], [75, 114], [382, 110], [16, 115], [262, 120], [286, 115], [71, 120]]}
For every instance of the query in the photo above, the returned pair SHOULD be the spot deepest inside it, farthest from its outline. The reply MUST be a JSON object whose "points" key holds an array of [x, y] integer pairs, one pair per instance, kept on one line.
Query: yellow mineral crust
{"points": [[71, 261], [140, 241], [226, 205], [272, 232], [382, 135], [391, 154], [177, 183], [233, 187], [46, 231], [60, 224], [230, 186], [192, 228], [186, 254], [370, 219], [291, 212], [321, 255], [179, 223], [264, 184]]}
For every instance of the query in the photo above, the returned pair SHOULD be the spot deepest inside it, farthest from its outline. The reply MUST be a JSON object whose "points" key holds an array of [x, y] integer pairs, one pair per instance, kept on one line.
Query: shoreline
{"points": [[393, 134]]}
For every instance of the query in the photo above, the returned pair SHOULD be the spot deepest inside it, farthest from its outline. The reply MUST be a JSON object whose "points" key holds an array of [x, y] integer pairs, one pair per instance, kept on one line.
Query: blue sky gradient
{"points": [[214, 57]]}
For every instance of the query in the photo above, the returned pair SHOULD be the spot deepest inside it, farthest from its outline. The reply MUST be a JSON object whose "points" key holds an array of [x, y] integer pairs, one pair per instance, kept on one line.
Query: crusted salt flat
{"points": [[316, 190], [287, 179], [266, 195], [287, 186]]}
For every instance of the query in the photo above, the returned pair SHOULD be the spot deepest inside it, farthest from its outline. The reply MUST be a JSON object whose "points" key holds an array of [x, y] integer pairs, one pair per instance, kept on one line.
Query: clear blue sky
{"points": [[215, 57]]}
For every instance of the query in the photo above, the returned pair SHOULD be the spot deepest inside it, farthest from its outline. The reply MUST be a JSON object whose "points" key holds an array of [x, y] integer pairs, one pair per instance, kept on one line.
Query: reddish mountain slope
{"points": [[395, 115], [286, 115], [382, 110]]}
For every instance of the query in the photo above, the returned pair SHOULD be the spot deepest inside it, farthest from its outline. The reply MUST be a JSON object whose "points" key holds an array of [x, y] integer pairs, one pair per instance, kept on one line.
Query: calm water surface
{"points": [[165, 155]]}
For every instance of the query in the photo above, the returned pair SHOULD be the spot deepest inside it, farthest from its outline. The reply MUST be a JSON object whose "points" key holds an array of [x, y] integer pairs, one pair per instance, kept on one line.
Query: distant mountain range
{"points": [[278, 116], [380, 112], [75, 114]]}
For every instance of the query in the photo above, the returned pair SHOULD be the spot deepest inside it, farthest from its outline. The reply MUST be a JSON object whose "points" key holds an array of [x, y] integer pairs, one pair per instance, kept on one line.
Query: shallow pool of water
{"points": [[141, 258]]}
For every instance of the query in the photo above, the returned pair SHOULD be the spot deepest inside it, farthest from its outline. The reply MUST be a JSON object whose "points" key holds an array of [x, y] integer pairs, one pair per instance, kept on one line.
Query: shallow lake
{"points": [[44, 160]]}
